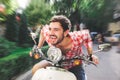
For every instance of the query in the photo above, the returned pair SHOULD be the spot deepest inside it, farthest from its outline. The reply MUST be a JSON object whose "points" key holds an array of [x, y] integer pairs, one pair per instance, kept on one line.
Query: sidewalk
{"points": [[26, 76]]}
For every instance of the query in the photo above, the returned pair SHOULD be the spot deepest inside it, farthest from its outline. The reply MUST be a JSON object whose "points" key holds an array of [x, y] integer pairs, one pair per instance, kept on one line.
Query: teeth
{"points": [[52, 37]]}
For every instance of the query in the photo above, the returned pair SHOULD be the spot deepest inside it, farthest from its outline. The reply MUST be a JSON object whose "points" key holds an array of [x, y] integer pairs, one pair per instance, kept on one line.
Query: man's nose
{"points": [[51, 32]]}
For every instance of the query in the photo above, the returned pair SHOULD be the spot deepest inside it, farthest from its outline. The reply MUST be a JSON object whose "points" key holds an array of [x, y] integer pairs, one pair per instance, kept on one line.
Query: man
{"points": [[57, 34]]}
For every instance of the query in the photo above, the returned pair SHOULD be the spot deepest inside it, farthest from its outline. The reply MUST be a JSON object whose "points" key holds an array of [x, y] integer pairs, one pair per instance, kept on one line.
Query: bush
{"points": [[6, 47], [16, 63]]}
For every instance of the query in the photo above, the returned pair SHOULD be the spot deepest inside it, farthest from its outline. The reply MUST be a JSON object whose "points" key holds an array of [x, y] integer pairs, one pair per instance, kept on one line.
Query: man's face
{"points": [[56, 33]]}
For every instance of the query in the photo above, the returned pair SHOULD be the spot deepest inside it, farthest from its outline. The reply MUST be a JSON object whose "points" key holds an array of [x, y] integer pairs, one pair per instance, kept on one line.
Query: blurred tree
{"points": [[8, 15], [7, 7], [23, 36], [64, 7], [95, 13], [12, 28], [38, 12]]}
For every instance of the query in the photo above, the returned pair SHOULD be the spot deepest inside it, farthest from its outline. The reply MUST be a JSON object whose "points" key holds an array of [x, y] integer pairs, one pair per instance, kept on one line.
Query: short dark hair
{"points": [[63, 20]]}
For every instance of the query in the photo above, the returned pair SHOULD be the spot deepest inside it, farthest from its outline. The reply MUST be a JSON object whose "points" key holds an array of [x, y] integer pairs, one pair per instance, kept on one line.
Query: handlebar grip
{"points": [[90, 57]]}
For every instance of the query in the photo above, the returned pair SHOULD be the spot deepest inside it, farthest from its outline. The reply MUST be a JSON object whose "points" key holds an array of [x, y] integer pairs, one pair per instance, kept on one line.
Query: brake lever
{"points": [[87, 61], [91, 62]]}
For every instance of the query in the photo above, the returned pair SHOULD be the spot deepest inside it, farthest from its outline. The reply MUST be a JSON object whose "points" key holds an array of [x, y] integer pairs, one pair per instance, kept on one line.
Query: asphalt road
{"points": [[107, 69], [26, 76]]}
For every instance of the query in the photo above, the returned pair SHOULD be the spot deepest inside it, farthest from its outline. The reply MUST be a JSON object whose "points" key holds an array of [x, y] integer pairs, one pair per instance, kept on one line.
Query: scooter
{"points": [[56, 59]]}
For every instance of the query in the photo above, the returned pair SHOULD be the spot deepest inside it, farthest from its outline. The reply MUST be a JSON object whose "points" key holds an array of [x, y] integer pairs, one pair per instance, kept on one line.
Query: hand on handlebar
{"points": [[95, 59], [35, 55]]}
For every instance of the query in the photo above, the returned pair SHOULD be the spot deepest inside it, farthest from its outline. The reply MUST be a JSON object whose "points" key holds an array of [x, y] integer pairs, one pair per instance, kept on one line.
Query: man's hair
{"points": [[64, 21]]}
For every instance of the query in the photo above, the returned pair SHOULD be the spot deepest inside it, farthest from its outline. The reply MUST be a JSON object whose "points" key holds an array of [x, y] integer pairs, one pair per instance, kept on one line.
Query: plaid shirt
{"points": [[79, 38]]}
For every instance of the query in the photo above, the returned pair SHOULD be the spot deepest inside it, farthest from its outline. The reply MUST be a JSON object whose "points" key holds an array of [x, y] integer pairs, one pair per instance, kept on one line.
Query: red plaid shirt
{"points": [[79, 38]]}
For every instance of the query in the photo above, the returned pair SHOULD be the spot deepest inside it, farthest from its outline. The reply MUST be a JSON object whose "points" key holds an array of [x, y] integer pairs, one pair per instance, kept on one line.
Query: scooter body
{"points": [[53, 73]]}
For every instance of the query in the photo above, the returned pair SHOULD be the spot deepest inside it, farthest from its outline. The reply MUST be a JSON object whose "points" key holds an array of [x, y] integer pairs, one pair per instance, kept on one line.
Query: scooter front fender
{"points": [[53, 74]]}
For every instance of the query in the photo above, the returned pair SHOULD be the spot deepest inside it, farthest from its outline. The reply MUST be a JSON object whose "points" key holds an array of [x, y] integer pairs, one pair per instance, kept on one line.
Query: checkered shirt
{"points": [[79, 38]]}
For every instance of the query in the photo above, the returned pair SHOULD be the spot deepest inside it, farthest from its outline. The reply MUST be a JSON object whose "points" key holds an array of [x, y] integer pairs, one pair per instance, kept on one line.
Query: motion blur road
{"points": [[107, 69]]}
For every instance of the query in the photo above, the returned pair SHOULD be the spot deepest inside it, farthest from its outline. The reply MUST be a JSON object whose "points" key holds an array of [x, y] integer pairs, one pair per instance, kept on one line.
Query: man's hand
{"points": [[35, 55], [33, 35], [30, 53], [95, 59]]}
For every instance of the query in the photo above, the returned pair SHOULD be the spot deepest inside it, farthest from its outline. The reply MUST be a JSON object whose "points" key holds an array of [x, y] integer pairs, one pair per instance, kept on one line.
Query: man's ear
{"points": [[66, 33]]}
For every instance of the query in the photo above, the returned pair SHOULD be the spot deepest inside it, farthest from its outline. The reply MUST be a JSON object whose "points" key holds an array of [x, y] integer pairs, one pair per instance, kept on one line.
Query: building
{"points": [[114, 27]]}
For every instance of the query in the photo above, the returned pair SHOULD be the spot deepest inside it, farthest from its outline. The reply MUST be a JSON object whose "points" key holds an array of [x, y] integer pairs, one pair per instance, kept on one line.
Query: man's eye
{"points": [[56, 29], [49, 29]]}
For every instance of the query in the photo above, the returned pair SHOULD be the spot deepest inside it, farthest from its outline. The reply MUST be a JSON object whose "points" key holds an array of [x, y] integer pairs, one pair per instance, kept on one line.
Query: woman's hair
{"points": [[64, 21]]}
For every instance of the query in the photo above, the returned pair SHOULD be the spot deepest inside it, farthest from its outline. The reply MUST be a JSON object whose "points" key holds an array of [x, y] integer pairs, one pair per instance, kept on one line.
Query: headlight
{"points": [[54, 54]]}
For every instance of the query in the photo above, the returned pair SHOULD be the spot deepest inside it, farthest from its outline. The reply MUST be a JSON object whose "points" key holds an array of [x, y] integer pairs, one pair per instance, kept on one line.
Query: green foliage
{"points": [[12, 28], [38, 12], [65, 7], [99, 18], [16, 63], [95, 13], [10, 7], [91, 8], [2, 18], [16, 30], [6, 47], [23, 34], [85, 7]]}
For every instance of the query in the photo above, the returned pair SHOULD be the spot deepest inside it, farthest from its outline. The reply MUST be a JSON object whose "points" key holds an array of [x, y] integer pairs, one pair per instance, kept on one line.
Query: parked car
{"points": [[114, 39]]}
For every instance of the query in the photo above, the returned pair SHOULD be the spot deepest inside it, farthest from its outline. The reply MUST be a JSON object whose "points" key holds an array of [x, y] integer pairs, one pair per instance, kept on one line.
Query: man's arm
{"points": [[41, 42], [90, 50], [90, 53], [41, 39], [88, 41]]}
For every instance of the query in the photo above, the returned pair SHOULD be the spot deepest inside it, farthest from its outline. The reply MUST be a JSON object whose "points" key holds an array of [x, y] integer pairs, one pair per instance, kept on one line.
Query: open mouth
{"points": [[53, 37]]}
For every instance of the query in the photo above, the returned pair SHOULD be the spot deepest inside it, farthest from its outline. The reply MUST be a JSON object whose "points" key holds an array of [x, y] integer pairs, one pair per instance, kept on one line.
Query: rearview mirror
{"points": [[105, 47]]}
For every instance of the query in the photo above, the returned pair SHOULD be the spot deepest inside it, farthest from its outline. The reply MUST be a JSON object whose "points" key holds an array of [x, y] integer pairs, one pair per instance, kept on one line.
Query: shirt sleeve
{"points": [[87, 40]]}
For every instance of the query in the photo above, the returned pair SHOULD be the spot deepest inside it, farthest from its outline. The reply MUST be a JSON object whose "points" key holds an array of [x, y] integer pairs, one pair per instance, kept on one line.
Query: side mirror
{"points": [[105, 47]]}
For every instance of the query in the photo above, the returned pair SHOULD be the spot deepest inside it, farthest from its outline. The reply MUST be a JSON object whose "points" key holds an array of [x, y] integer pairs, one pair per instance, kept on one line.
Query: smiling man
{"points": [[58, 34]]}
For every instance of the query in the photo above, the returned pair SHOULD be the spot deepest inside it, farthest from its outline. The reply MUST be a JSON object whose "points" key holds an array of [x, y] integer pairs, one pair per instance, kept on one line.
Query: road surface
{"points": [[108, 68]]}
